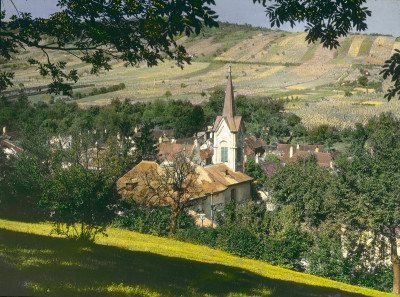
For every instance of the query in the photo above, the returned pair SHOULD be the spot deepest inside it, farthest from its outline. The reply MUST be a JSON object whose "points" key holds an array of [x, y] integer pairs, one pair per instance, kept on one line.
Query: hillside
{"points": [[132, 264], [265, 63]]}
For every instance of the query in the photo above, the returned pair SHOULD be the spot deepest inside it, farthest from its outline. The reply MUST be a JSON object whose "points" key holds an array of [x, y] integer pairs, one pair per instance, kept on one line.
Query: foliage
{"points": [[272, 158], [363, 80], [155, 220], [213, 106], [264, 117], [348, 93], [325, 23], [80, 202], [98, 32], [95, 91], [372, 179], [254, 170], [323, 133], [391, 68], [312, 193], [168, 94]]}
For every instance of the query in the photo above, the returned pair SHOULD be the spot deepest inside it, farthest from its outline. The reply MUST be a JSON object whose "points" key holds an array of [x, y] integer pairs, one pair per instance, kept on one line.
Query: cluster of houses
{"points": [[219, 154]]}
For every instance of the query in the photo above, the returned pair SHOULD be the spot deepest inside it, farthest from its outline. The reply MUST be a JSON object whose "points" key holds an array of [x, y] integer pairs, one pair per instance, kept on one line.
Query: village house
{"points": [[220, 182], [291, 152]]}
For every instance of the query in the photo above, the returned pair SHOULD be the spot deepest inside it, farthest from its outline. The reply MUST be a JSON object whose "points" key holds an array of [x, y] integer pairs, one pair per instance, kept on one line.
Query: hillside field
{"points": [[265, 63], [132, 264]]}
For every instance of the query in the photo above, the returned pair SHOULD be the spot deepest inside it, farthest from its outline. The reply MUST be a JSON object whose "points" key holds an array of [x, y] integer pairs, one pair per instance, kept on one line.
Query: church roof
{"points": [[229, 111], [233, 123], [229, 102]]}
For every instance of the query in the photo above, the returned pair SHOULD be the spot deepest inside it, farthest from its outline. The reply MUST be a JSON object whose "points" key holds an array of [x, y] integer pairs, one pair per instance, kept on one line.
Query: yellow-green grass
{"points": [[310, 53], [366, 46], [132, 264]]}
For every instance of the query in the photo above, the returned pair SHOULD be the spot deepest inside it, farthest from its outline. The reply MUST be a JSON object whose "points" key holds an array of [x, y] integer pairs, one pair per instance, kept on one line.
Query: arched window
{"points": [[224, 151]]}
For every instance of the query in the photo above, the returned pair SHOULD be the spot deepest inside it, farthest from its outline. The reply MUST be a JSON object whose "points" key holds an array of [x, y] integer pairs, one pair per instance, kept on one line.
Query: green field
{"points": [[132, 264]]}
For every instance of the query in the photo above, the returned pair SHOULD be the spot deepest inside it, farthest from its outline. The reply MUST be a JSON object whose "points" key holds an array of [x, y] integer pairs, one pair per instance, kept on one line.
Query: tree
{"points": [[372, 177], [326, 21], [81, 202], [308, 189], [98, 31], [254, 170], [363, 80], [173, 186]]}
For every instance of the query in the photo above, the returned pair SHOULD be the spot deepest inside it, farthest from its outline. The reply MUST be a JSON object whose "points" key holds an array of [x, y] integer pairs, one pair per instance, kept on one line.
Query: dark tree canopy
{"points": [[98, 31], [326, 20]]}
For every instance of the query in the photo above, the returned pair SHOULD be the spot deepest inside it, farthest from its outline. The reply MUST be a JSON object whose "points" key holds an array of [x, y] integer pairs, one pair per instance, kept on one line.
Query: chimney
{"points": [[291, 152], [226, 172]]}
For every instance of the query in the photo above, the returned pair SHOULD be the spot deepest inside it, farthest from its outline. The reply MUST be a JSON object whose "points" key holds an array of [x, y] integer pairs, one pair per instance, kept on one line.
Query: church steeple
{"points": [[228, 132], [229, 102]]}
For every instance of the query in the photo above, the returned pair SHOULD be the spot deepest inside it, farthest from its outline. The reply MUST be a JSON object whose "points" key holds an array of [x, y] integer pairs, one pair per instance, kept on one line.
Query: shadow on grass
{"points": [[41, 265]]}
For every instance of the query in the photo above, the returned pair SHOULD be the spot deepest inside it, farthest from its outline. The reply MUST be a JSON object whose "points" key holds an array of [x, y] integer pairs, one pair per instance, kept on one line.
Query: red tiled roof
{"points": [[168, 150], [206, 153], [252, 143]]}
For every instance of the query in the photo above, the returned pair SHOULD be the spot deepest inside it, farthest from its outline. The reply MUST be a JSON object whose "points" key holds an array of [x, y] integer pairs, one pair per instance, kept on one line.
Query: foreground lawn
{"points": [[132, 264]]}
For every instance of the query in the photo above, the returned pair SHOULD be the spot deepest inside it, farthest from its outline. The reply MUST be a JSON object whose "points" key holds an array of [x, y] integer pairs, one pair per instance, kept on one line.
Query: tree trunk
{"points": [[396, 266], [174, 220]]}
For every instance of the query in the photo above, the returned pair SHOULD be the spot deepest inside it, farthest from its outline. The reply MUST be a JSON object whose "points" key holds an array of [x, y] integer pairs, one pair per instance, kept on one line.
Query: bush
{"points": [[153, 221], [363, 80], [205, 236], [348, 93]]}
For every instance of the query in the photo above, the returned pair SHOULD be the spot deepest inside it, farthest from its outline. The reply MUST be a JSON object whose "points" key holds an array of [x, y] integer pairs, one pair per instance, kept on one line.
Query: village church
{"points": [[220, 182]]}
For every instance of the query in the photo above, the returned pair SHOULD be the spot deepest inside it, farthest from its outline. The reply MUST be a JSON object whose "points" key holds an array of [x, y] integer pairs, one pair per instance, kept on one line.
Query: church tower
{"points": [[228, 133]]}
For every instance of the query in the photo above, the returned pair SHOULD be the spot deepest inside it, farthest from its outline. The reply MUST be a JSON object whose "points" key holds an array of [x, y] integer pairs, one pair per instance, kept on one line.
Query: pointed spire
{"points": [[229, 103]]}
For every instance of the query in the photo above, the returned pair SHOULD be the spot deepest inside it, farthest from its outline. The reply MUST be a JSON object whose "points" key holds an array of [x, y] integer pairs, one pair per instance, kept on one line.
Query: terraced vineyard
{"points": [[265, 63]]}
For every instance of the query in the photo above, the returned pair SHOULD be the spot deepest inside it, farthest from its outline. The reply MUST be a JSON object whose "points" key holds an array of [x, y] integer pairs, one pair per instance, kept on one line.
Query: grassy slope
{"points": [[132, 264]]}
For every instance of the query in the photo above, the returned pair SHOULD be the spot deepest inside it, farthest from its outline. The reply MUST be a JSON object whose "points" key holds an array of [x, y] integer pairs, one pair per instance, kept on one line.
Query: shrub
{"points": [[348, 93], [151, 220], [362, 80]]}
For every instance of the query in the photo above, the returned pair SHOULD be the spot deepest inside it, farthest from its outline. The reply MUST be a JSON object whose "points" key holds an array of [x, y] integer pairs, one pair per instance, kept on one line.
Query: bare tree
{"points": [[173, 184]]}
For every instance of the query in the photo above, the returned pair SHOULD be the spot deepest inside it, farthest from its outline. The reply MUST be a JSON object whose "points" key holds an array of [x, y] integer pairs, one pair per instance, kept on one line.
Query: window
{"points": [[233, 194], [224, 154]]}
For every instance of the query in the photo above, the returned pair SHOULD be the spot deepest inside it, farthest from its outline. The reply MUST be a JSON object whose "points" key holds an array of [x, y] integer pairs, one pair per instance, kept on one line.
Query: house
{"points": [[220, 182], [254, 148], [291, 152], [219, 185]]}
